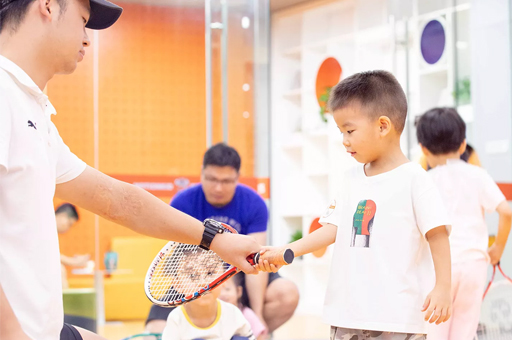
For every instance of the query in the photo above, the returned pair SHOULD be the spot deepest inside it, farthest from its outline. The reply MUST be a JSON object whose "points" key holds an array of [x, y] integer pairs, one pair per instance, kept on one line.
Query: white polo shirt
{"points": [[33, 159]]}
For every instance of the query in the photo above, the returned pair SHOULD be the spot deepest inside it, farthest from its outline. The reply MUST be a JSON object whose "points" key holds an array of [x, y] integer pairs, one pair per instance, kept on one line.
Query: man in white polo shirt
{"points": [[38, 39]]}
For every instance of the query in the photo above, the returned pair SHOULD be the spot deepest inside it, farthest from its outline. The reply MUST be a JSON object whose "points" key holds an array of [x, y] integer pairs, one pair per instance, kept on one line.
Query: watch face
{"points": [[213, 223]]}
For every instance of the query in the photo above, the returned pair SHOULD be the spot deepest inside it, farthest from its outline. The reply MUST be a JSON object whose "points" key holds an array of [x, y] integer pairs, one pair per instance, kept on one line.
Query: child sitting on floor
{"points": [[207, 318], [231, 292]]}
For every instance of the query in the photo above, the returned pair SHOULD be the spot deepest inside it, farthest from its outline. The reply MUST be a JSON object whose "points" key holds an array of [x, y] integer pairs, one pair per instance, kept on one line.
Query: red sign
{"points": [[168, 186]]}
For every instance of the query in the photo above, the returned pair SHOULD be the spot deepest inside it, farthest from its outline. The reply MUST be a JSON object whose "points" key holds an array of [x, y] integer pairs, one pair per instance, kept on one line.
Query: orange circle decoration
{"points": [[329, 74], [314, 226]]}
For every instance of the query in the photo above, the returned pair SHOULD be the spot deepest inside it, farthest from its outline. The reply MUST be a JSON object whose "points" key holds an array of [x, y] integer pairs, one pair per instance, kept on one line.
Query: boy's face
{"points": [[64, 222], [67, 34], [361, 134], [198, 274]]}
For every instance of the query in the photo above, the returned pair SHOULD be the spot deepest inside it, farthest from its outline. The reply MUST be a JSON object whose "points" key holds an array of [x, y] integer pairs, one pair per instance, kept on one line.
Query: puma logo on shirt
{"points": [[30, 124]]}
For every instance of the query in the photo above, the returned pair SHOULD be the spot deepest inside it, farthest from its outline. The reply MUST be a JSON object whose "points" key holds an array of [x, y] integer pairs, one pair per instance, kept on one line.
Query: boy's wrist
{"points": [[443, 285]]}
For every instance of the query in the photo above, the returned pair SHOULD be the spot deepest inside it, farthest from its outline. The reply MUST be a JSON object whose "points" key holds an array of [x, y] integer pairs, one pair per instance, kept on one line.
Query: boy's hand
{"points": [[264, 265], [438, 305], [495, 252]]}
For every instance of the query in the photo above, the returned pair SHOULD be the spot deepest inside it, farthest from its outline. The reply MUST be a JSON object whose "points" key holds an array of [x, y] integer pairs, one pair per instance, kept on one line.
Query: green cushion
{"points": [[80, 302]]}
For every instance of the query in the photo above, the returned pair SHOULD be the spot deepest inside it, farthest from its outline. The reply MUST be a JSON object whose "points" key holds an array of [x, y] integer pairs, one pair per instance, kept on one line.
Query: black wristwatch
{"points": [[211, 228]]}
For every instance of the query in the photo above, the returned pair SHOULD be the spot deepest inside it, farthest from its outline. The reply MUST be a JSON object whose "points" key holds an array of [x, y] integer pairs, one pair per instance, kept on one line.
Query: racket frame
{"points": [[204, 290]]}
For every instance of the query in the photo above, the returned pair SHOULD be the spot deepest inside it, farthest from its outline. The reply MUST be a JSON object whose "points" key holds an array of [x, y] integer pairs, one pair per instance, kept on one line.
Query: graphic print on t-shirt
{"points": [[363, 223]]}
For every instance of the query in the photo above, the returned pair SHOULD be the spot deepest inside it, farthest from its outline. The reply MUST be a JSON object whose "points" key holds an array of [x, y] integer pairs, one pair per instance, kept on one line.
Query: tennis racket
{"points": [[182, 272], [496, 312]]}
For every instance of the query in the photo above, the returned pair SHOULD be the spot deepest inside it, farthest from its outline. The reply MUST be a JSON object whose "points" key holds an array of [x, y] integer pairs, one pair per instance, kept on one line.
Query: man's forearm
{"points": [[256, 287], [130, 206], [142, 212]]}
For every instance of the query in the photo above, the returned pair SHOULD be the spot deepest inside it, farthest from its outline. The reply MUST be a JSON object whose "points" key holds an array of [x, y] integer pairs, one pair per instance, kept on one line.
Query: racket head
{"points": [[181, 273], [496, 311]]}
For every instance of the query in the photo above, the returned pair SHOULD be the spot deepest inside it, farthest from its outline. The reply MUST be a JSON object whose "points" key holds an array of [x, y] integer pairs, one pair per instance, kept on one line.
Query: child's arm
{"points": [[438, 304], [318, 239], [496, 250]]}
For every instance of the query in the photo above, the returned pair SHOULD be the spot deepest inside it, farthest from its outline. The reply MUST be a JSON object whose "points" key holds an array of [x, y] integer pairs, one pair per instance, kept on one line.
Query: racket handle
{"points": [[276, 257]]}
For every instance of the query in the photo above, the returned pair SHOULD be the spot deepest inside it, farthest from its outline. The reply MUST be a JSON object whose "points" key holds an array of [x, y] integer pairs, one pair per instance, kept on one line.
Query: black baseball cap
{"points": [[103, 13]]}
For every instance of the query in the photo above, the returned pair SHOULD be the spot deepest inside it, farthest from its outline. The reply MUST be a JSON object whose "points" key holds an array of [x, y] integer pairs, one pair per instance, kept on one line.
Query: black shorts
{"points": [[161, 313], [245, 298], [69, 332]]}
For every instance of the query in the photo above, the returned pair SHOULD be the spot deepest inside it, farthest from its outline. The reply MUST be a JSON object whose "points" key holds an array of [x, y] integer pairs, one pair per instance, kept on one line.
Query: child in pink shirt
{"points": [[232, 292]]}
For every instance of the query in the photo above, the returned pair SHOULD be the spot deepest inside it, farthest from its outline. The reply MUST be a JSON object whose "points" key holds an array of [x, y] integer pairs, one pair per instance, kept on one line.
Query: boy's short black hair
{"points": [[441, 130], [14, 12], [68, 209], [378, 92], [222, 155]]}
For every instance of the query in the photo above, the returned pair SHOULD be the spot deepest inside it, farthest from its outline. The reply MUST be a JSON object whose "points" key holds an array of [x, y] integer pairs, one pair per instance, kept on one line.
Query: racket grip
{"points": [[276, 257]]}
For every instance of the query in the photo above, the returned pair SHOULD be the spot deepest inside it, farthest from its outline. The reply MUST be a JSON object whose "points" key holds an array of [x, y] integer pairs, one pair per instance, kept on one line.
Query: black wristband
{"points": [[211, 229]]}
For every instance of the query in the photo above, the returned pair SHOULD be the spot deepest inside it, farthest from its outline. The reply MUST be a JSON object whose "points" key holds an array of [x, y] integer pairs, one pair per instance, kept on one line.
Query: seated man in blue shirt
{"points": [[221, 197]]}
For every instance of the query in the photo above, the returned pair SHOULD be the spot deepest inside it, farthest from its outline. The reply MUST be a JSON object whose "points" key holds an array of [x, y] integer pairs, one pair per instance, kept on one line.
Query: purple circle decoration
{"points": [[433, 41]]}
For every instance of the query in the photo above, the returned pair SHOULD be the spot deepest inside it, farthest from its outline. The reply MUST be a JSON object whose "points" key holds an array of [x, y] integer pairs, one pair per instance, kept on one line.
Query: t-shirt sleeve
{"points": [[429, 208], [172, 329], [258, 217], [490, 195], [5, 133], [180, 202], [332, 214], [69, 166], [243, 327]]}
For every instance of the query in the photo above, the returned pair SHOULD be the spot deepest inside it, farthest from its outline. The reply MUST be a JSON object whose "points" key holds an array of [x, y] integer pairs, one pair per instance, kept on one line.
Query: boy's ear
{"points": [[385, 125], [239, 292], [462, 147]]}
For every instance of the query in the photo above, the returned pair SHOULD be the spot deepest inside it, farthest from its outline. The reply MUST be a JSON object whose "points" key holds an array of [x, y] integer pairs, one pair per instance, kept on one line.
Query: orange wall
{"points": [[151, 104]]}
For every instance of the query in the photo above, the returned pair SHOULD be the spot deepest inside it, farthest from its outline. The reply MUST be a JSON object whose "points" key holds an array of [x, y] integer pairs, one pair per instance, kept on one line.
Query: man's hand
{"points": [[234, 249], [438, 305], [495, 252]]}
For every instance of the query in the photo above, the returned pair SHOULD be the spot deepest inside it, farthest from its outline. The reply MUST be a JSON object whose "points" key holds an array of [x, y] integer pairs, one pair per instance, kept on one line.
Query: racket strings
{"points": [[183, 271]]}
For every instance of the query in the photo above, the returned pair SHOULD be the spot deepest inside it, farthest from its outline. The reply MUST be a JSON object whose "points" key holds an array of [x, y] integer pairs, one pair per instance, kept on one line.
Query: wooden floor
{"points": [[299, 327]]}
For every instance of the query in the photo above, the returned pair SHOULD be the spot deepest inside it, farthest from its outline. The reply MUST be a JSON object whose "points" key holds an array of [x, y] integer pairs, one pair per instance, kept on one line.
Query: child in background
{"points": [[468, 191], [206, 318], [387, 216], [66, 216], [232, 293]]}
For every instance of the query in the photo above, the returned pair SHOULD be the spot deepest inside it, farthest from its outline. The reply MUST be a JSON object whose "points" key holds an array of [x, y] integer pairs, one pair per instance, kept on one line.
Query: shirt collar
{"points": [[24, 81]]}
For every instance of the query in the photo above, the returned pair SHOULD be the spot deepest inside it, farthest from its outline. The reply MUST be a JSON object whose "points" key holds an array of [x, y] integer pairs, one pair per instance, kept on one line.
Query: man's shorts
{"points": [[245, 298], [338, 333], [69, 332], [161, 313]]}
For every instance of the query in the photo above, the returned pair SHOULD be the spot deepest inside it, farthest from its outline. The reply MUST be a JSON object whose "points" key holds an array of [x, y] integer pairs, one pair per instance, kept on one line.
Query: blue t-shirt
{"points": [[247, 212]]}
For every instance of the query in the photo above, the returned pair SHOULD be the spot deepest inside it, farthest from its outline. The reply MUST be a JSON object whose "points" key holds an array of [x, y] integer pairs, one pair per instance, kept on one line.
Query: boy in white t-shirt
{"points": [[387, 216], [468, 191], [207, 318]]}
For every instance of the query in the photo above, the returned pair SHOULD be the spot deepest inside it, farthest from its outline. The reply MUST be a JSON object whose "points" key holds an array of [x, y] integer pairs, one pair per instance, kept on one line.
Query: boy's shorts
{"points": [[338, 333]]}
